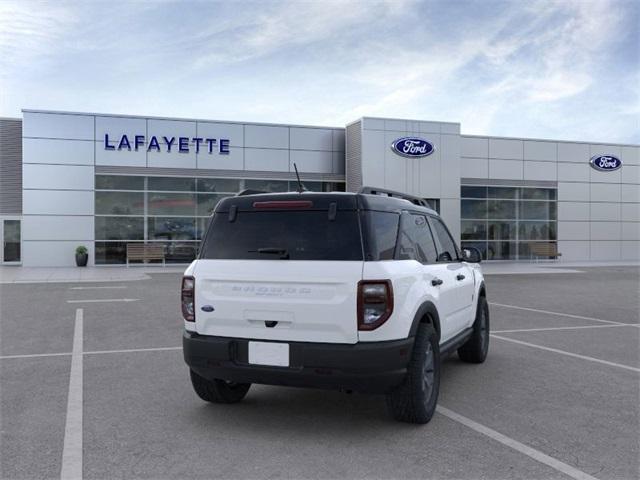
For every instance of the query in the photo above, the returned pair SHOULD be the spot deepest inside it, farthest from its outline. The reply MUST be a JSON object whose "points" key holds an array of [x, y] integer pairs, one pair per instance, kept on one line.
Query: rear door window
{"points": [[447, 251], [284, 235], [415, 241], [382, 228]]}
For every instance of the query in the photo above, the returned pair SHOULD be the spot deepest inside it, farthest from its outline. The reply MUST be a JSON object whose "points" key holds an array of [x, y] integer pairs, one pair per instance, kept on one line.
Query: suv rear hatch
{"points": [[281, 267]]}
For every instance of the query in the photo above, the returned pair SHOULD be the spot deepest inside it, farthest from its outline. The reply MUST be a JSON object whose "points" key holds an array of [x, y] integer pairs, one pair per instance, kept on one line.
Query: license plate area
{"points": [[269, 353]]}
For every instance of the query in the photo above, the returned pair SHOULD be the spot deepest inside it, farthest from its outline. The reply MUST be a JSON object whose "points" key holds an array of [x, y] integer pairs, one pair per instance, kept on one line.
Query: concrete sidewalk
{"points": [[11, 274]]}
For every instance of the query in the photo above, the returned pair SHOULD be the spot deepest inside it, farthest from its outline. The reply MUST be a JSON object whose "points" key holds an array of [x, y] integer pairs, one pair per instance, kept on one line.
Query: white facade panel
{"points": [[605, 251], [311, 139], [474, 147], [450, 128], [373, 123], [338, 144], [630, 155], [262, 136], [120, 157], [573, 250], [630, 174], [573, 152], [573, 192], [58, 202], [428, 127], [175, 158], [605, 177], [605, 212], [605, 230], [604, 192], [537, 150], [115, 127], [311, 161], [57, 177], [49, 227], [630, 230], [234, 132], [474, 167], [397, 125], [59, 152], [573, 211], [53, 253], [540, 171], [574, 172], [58, 125], [170, 128], [374, 150], [266, 159], [450, 212], [629, 250], [630, 212], [234, 160], [429, 173], [506, 149], [450, 171], [338, 159], [630, 193], [573, 231], [506, 169]]}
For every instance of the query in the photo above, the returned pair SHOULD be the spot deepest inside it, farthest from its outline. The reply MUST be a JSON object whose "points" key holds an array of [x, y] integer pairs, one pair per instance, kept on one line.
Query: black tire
{"points": [[218, 391], [476, 348], [415, 400]]}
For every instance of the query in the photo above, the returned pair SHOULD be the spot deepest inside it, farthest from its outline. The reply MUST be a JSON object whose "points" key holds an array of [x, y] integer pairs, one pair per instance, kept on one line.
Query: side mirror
{"points": [[471, 255]]}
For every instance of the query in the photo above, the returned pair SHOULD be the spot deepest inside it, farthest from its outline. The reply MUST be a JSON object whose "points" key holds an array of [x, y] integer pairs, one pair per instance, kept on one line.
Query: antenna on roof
{"points": [[300, 185]]}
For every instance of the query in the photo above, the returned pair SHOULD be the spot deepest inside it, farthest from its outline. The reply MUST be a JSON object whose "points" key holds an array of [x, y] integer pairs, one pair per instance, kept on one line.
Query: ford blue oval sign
{"points": [[605, 163], [412, 147]]}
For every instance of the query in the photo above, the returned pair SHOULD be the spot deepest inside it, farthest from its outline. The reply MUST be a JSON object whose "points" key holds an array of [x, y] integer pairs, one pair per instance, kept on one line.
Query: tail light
{"points": [[375, 303], [188, 299]]}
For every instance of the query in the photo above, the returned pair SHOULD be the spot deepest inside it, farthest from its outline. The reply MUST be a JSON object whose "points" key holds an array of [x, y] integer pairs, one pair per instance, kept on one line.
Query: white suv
{"points": [[357, 292]]}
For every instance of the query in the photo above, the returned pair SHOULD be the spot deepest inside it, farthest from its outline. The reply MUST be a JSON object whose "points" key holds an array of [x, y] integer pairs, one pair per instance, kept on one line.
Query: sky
{"points": [[565, 70]]}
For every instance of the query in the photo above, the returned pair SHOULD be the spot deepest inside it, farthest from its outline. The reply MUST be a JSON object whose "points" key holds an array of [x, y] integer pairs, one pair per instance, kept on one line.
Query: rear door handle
{"points": [[436, 281], [460, 277]]}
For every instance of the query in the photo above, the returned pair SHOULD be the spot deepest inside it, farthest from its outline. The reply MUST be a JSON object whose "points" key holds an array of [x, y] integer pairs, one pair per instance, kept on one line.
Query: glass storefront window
{"points": [[217, 185], [502, 222], [207, 203], [172, 184], [171, 204], [171, 228], [119, 182], [119, 228], [267, 185], [119, 203]]}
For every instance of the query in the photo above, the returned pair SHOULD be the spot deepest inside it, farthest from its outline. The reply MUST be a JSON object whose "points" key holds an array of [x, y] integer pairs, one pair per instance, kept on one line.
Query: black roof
{"points": [[321, 201]]}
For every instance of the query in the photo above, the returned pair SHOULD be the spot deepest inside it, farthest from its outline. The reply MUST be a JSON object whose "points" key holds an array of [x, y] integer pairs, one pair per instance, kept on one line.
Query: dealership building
{"points": [[109, 181]]}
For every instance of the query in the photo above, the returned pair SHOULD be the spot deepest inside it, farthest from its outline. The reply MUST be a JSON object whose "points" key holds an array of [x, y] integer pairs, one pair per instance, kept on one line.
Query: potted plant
{"points": [[82, 256]]}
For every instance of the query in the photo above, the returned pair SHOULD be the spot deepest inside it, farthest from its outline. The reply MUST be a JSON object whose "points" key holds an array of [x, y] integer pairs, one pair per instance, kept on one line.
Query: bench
{"points": [[144, 252], [544, 250]]}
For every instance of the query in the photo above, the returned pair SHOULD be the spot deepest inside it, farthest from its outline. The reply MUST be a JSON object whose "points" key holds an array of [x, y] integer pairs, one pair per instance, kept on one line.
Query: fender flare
{"points": [[482, 290], [427, 308]]}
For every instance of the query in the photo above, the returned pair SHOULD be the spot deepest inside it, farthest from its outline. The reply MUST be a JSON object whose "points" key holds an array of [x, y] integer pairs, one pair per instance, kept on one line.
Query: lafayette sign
{"points": [[158, 144]]}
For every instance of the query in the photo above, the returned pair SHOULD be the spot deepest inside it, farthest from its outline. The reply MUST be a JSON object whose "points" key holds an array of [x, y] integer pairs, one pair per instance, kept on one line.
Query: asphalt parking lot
{"points": [[94, 385]]}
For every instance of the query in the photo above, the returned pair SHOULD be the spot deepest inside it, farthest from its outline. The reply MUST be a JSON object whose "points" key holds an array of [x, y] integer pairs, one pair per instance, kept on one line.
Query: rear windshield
{"points": [[284, 235]]}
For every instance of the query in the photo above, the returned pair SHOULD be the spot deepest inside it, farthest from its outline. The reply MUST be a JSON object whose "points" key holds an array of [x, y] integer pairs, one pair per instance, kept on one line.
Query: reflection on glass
{"points": [[473, 192], [226, 185], [119, 203], [119, 228], [473, 230], [119, 182], [476, 209], [267, 185], [176, 184], [172, 204], [171, 228], [502, 192], [538, 210], [502, 231], [207, 203], [500, 209]]}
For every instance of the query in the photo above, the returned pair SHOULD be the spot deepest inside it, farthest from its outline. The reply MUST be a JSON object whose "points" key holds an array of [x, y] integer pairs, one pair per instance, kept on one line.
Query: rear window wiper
{"points": [[284, 254]]}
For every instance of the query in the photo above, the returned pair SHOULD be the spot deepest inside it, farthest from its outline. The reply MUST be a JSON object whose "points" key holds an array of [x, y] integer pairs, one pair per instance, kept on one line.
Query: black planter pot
{"points": [[81, 259]]}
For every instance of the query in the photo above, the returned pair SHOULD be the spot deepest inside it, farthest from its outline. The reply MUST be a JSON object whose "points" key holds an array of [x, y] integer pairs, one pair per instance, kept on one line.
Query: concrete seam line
{"points": [[569, 354], [558, 313], [581, 327], [72, 446], [515, 445], [99, 300]]}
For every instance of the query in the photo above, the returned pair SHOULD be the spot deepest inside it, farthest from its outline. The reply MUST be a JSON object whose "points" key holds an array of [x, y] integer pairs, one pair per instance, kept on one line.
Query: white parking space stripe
{"points": [[515, 445], [98, 288], [569, 354], [34, 355], [133, 350], [72, 447], [560, 314], [100, 300], [581, 327]]}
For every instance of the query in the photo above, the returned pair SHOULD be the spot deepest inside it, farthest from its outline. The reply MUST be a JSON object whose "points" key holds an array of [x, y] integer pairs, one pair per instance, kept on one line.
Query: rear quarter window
{"points": [[278, 235]]}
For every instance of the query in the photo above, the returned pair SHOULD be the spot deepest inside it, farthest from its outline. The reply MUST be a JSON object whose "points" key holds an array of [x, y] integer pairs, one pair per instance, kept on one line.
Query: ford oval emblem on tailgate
{"points": [[412, 147], [207, 308]]}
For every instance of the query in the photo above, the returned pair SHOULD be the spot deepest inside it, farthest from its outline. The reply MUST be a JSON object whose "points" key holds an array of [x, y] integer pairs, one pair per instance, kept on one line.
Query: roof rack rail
{"points": [[390, 193], [249, 191]]}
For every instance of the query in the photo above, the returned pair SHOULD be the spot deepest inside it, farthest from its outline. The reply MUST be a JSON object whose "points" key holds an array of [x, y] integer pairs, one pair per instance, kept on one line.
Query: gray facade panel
{"points": [[10, 166]]}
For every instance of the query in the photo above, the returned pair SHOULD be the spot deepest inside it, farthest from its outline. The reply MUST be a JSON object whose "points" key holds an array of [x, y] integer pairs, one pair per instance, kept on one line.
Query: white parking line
{"points": [[569, 354], [563, 328], [98, 288], [72, 446], [34, 355], [99, 300], [557, 313], [133, 350], [515, 445]]}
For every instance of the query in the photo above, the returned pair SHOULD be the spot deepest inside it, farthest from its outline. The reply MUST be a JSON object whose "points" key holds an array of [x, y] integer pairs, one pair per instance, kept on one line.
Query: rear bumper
{"points": [[375, 367]]}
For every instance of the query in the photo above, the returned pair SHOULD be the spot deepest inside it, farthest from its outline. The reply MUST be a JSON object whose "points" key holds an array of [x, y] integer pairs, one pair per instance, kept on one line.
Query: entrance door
{"points": [[11, 241]]}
